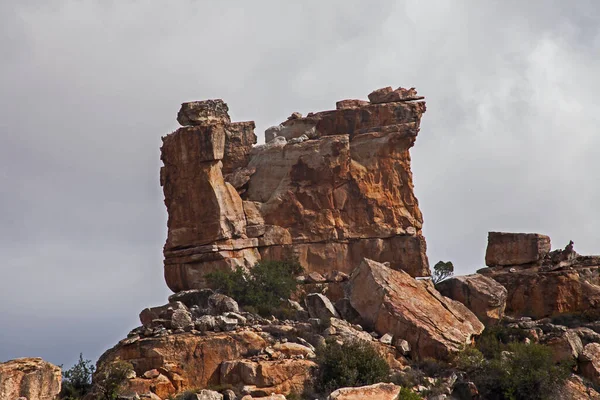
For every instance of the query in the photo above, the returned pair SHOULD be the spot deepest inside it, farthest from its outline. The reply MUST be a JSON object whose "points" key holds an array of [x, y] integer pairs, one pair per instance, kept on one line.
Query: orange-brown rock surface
{"points": [[542, 283], [329, 188], [480, 294], [396, 303], [185, 361], [30, 378], [515, 248]]}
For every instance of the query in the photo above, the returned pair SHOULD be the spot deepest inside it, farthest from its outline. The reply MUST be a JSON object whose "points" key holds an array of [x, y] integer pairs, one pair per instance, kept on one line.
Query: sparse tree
{"points": [[77, 381], [441, 271]]}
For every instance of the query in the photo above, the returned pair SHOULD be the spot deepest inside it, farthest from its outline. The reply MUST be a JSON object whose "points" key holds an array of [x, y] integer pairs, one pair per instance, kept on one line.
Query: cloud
{"points": [[509, 141]]}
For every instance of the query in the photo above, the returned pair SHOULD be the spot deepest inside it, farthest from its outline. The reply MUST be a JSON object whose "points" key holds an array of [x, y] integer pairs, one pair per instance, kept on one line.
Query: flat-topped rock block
{"points": [[507, 249], [203, 112]]}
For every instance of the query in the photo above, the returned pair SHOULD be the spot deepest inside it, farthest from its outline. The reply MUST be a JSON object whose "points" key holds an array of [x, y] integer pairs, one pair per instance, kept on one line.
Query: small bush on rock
{"points": [[109, 380], [520, 371], [261, 288], [77, 381], [351, 364]]}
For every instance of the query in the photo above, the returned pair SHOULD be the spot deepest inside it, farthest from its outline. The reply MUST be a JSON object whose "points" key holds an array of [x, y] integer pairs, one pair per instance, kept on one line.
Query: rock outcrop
{"points": [[480, 294], [379, 391], [30, 378], [509, 249], [394, 302], [541, 283], [329, 188]]}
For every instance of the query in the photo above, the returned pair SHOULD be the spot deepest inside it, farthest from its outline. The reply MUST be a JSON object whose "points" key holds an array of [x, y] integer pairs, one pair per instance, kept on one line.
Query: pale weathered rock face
{"points": [[329, 188], [31, 378], [394, 302], [480, 294], [185, 361], [506, 249], [589, 362], [378, 391]]}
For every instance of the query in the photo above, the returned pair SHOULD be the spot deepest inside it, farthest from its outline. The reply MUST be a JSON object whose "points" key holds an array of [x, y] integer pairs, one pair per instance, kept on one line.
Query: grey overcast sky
{"points": [[509, 142]]}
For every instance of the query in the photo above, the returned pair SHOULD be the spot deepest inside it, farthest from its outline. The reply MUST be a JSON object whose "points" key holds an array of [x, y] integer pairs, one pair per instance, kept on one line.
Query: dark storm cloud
{"points": [[509, 141]]}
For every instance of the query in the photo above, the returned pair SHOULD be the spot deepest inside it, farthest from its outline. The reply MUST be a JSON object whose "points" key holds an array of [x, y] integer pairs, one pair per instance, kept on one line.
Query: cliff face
{"points": [[329, 188]]}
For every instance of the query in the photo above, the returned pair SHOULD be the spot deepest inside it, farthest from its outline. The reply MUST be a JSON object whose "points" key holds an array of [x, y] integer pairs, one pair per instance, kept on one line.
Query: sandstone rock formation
{"points": [[328, 188], [219, 344], [30, 378], [541, 283], [379, 391], [589, 362], [509, 249], [392, 301], [480, 294]]}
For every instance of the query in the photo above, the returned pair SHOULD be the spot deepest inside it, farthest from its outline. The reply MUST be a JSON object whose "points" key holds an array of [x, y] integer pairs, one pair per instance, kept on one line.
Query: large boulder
{"points": [[30, 378], [378, 391], [394, 302], [203, 112], [540, 294], [481, 294], [268, 377], [185, 361], [507, 249], [589, 362]]}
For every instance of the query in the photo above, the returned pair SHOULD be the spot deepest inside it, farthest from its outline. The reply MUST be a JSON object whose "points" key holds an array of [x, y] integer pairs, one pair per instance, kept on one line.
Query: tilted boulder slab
{"points": [[380, 391], [30, 378], [394, 302], [480, 294], [328, 189], [510, 249]]}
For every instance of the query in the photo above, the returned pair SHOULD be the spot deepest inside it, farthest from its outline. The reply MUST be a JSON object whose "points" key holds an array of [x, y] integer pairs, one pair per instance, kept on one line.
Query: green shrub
{"points": [[77, 381], [407, 394], [494, 339], [469, 360], [350, 364], [262, 288], [522, 371], [109, 380]]}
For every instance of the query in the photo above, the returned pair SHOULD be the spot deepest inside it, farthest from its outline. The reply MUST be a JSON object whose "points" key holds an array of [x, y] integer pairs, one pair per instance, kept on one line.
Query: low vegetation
{"points": [[108, 381], [261, 289], [351, 364], [505, 367], [77, 380]]}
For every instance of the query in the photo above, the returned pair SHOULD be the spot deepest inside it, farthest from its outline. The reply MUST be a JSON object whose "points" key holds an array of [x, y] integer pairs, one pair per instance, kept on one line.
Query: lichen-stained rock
{"points": [[537, 294], [509, 249], [203, 112], [378, 391], [394, 302], [481, 294], [239, 139], [269, 377], [187, 360], [565, 347], [31, 378], [388, 95], [576, 389], [589, 362], [328, 188]]}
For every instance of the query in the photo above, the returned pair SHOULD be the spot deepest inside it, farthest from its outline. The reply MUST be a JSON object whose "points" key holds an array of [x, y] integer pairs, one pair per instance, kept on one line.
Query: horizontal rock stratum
{"points": [[329, 188]]}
